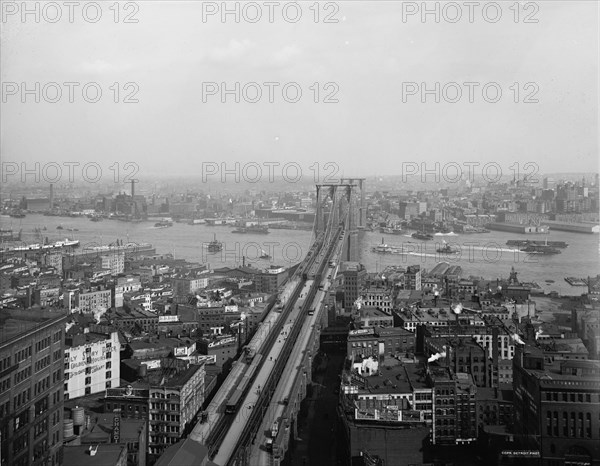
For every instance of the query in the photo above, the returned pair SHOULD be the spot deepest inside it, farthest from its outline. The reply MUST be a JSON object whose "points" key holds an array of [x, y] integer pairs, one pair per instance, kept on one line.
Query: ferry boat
{"points": [[211, 222], [383, 248], [529, 242], [43, 247], [257, 229], [165, 223], [540, 249], [422, 236], [391, 230], [214, 245], [446, 249]]}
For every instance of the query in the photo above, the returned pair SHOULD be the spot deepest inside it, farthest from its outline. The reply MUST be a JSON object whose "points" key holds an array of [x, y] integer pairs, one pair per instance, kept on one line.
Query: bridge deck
{"points": [[215, 410], [230, 440], [277, 407]]}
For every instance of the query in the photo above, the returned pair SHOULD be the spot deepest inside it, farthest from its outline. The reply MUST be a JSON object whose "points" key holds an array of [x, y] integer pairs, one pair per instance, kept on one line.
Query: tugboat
{"points": [[446, 249], [214, 245], [59, 227], [264, 255]]}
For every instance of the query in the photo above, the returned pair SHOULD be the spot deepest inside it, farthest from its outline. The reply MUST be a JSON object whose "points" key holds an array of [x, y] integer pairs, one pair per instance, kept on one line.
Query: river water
{"points": [[484, 254]]}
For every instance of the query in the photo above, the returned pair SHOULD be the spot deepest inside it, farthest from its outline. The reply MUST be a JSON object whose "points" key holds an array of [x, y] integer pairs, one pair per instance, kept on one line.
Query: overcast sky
{"points": [[369, 53]]}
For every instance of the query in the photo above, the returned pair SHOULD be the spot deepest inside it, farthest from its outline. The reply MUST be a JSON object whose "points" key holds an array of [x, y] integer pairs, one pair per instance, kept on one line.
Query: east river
{"points": [[482, 255]]}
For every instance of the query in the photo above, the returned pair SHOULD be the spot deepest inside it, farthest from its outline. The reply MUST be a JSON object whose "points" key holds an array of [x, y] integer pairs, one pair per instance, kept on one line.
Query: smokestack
{"points": [[51, 196], [132, 188]]}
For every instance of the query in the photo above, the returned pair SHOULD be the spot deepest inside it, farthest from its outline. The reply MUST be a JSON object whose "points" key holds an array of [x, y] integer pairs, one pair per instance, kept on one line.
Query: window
{"points": [[88, 380]]}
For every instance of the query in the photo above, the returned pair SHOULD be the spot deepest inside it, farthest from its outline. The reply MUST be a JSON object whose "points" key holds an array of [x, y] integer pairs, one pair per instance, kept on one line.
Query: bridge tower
{"points": [[361, 208], [343, 206]]}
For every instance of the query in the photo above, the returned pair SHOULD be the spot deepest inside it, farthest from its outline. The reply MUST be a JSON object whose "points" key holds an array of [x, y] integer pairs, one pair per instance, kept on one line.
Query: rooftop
{"points": [[106, 455], [15, 322], [184, 453]]}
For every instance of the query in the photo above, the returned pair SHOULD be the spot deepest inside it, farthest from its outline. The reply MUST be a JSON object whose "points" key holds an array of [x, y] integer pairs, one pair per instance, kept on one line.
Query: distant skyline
{"points": [[368, 54]]}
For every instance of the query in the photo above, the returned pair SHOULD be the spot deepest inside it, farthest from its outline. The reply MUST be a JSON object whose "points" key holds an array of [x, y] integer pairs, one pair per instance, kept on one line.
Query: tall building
{"points": [[31, 393], [557, 407], [454, 415], [168, 396], [354, 275], [412, 277]]}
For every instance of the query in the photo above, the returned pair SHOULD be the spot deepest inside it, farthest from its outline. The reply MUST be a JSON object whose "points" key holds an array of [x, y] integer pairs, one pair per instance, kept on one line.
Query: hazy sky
{"points": [[369, 53]]}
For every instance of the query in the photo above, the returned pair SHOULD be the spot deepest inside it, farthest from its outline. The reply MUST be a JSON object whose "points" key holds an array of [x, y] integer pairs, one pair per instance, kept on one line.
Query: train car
{"points": [[232, 404], [234, 401]]}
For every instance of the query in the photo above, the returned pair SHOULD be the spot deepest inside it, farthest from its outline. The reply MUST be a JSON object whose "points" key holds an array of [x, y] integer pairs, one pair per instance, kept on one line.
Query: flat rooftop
{"points": [[106, 455], [15, 322]]}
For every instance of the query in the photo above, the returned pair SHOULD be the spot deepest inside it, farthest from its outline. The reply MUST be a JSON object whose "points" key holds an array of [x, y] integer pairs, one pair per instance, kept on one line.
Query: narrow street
{"points": [[317, 443]]}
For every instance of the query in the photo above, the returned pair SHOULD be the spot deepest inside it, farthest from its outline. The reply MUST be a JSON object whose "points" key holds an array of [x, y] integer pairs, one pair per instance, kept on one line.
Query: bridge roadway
{"points": [[225, 436], [235, 445], [283, 401], [269, 361], [215, 410]]}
